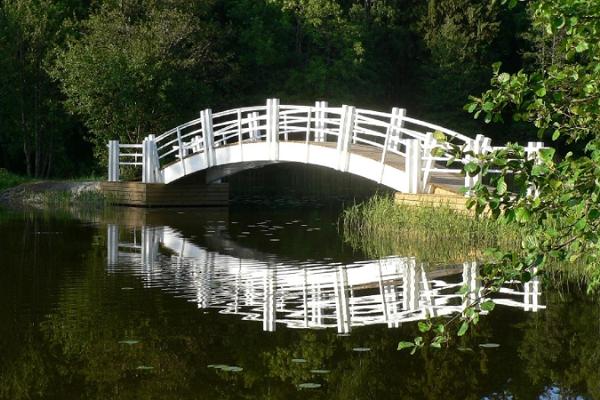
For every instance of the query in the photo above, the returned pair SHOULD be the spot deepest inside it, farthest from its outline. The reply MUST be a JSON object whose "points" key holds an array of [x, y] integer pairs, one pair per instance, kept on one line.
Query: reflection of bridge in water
{"points": [[261, 287]]}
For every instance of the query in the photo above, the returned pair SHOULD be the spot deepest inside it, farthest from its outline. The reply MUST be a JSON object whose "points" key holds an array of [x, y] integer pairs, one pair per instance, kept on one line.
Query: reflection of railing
{"points": [[391, 139], [300, 295]]}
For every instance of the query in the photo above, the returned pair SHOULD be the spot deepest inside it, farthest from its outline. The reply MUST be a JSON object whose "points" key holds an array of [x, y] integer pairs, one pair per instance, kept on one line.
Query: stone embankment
{"points": [[37, 192]]}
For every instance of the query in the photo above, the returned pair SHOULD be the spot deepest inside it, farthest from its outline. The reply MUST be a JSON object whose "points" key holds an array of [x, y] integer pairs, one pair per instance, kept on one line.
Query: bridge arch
{"points": [[391, 149]]}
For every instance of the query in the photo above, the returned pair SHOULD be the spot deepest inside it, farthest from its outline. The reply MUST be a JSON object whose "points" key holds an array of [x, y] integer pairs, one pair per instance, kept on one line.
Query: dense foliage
{"points": [[553, 197], [73, 74]]}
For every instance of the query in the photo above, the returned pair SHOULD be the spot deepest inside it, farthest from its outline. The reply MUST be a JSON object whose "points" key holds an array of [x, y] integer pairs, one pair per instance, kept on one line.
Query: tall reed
{"points": [[381, 227]]}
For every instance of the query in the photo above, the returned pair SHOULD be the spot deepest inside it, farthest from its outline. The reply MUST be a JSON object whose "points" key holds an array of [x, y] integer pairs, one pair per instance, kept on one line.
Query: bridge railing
{"points": [[406, 141]]}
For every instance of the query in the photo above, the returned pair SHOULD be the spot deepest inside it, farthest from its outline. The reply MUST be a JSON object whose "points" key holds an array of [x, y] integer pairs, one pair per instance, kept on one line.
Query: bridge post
{"points": [[150, 163], [273, 128], [113, 161], [145, 162], [480, 145], [414, 165], [396, 123], [345, 137], [208, 137], [532, 150], [320, 124]]}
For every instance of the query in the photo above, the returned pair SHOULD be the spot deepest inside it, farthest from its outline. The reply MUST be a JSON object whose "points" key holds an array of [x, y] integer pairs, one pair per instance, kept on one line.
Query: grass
{"points": [[57, 199], [380, 227], [8, 179]]}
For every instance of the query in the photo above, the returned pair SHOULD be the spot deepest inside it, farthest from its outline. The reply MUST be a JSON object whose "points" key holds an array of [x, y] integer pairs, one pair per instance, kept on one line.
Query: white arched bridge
{"points": [[391, 149]]}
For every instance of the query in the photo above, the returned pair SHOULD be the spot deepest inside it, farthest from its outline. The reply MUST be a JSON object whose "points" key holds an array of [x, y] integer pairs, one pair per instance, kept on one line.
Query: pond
{"points": [[262, 303]]}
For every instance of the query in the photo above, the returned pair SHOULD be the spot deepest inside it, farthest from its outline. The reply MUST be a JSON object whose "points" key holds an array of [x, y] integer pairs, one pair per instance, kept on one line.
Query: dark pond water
{"points": [[247, 304]]}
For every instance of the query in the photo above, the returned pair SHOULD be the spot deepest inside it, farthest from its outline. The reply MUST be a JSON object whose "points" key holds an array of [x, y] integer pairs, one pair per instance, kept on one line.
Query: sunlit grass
{"points": [[439, 234]]}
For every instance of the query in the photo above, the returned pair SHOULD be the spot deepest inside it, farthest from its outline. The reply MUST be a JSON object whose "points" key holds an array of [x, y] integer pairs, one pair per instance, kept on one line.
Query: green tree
{"points": [[555, 198], [32, 120], [139, 66]]}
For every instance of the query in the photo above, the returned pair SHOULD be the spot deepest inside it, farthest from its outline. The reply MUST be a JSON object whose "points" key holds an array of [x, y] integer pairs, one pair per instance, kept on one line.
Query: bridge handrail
{"points": [[391, 133]]}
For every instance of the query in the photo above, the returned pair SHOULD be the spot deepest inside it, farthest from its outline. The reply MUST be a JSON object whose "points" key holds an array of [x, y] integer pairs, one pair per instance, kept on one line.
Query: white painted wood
{"points": [[320, 121], [252, 135], [345, 137], [254, 127], [532, 150], [396, 124], [414, 166], [208, 136], [113, 160], [273, 128], [428, 145]]}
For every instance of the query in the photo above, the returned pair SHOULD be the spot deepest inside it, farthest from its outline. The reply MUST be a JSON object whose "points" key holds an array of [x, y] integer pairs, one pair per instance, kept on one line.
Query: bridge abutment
{"points": [[141, 194]]}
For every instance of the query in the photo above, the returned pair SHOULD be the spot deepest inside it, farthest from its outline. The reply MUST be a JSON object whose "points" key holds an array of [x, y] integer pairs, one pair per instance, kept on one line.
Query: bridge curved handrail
{"points": [[389, 134], [370, 127]]}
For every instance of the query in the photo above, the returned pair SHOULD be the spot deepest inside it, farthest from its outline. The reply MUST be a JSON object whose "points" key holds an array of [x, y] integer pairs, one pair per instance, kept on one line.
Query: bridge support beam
{"points": [[396, 123], [320, 124], [273, 128], [479, 145], [150, 164], [532, 150], [345, 137], [113, 161], [414, 166], [208, 137]]}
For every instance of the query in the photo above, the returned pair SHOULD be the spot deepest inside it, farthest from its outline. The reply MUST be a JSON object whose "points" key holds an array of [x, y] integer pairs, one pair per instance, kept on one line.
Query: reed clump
{"points": [[380, 227]]}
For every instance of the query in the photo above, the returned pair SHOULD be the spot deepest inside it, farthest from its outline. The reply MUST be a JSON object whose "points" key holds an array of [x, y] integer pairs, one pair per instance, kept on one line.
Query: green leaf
{"points": [[503, 77], [522, 214], [581, 47], [488, 106], [405, 345], [439, 136], [541, 92], [547, 154], [472, 168], [463, 328], [488, 305], [501, 186], [581, 224], [424, 327], [556, 135]]}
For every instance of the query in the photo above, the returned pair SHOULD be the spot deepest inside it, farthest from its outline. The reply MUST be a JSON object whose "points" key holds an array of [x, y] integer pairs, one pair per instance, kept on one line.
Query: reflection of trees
{"points": [[71, 348], [562, 345]]}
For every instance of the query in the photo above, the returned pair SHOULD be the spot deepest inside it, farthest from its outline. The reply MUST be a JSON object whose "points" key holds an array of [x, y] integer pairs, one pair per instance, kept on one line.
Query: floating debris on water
{"points": [[129, 342], [489, 345], [309, 385]]}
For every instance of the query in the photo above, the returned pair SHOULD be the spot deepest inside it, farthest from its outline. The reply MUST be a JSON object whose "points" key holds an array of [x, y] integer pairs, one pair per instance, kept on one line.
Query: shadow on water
{"points": [[144, 304]]}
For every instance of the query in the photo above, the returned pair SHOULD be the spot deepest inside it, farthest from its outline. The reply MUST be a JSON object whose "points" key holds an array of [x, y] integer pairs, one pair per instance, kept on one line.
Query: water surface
{"points": [[211, 304]]}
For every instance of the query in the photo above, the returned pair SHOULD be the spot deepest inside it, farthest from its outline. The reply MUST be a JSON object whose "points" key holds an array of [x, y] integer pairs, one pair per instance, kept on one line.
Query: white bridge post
{"points": [[414, 165], [113, 161], [345, 137], [479, 145], [396, 124], [208, 137], [150, 162], [320, 118], [253, 126], [532, 150], [273, 128]]}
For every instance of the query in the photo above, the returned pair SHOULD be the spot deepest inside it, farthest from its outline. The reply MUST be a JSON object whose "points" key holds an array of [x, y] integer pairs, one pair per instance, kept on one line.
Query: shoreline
{"points": [[37, 192]]}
